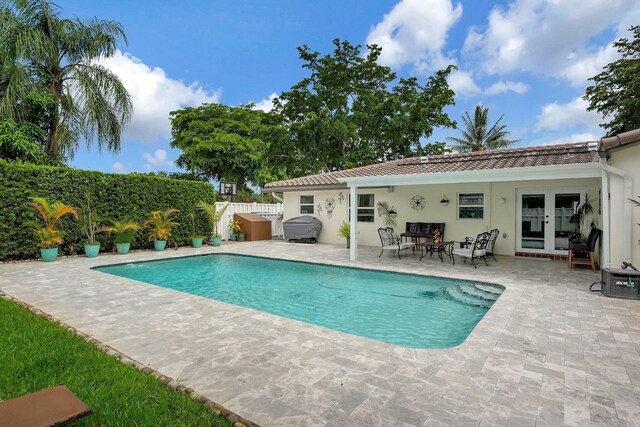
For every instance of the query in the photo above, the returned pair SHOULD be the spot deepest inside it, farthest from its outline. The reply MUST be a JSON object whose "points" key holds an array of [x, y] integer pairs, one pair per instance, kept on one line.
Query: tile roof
{"points": [[566, 154], [616, 142]]}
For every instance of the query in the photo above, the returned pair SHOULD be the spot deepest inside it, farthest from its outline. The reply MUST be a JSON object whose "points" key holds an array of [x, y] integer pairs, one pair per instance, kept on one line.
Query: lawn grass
{"points": [[36, 353]]}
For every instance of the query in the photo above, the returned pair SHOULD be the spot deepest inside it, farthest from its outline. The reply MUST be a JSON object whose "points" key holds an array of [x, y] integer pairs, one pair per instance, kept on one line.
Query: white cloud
{"points": [[266, 104], [561, 116], [576, 137], [415, 31], [154, 95], [462, 83], [550, 37], [118, 167], [157, 160], [507, 86]]}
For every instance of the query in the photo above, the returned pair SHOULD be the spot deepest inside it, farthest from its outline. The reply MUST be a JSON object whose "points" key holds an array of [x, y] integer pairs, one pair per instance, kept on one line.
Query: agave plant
{"points": [[161, 224], [122, 230], [50, 236], [213, 214]]}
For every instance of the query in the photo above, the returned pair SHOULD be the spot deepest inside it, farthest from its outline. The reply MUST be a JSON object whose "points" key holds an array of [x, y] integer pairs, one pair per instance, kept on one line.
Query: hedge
{"points": [[112, 196]]}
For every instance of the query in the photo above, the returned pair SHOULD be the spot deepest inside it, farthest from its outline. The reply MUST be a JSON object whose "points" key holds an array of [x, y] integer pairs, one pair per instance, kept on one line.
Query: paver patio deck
{"points": [[549, 352]]}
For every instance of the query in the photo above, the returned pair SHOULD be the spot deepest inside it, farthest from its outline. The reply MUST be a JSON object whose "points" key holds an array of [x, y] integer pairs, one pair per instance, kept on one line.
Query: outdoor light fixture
{"points": [[444, 201]]}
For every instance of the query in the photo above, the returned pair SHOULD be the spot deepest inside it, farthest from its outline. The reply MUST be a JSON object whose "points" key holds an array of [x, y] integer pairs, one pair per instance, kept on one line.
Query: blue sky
{"points": [[526, 59]]}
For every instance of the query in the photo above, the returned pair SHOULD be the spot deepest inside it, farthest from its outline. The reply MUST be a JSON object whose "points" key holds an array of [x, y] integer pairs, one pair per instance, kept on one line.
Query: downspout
{"points": [[353, 231], [628, 194]]}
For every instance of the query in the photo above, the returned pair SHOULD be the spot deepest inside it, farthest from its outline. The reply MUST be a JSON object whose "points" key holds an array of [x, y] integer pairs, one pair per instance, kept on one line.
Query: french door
{"points": [[544, 219]]}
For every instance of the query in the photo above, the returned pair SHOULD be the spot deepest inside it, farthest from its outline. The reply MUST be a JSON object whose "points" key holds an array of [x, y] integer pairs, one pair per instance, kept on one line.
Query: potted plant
{"points": [[389, 212], [161, 227], [236, 228], [345, 231], [579, 217], [196, 239], [88, 222], [50, 236], [214, 216], [123, 234]]}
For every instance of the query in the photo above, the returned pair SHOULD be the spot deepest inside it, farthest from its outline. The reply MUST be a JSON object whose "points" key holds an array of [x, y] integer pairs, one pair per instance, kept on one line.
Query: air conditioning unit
{"points": [[619, 283]]}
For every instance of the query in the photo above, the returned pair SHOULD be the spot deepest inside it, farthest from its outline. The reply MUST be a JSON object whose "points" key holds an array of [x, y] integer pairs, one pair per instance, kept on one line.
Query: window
{"points": [[471, 206], [306, 205], [366, 208]]}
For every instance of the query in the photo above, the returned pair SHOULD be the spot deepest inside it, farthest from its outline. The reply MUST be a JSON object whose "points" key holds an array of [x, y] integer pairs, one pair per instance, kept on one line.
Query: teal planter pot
{"points": [[49, 254], [240, 237], [122, 248], [196, 242], [160, 244], [216, 241], [233, 237], [92, 251]]}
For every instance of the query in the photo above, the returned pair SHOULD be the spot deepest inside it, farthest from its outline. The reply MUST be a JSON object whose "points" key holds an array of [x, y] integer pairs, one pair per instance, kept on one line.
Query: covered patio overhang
{"points": [[535, 173]]}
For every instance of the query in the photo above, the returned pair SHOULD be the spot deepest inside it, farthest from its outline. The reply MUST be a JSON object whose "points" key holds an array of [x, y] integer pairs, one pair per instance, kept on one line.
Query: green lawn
{"points": [[36, 353]]}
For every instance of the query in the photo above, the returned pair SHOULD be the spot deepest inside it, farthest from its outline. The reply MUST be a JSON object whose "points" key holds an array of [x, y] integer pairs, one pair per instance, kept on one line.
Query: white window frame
{"points": [[364, 208], [312, 204], [483, 205]]}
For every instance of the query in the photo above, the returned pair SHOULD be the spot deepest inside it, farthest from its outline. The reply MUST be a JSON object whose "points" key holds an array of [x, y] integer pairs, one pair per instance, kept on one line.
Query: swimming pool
{"points": [[402, 309]]}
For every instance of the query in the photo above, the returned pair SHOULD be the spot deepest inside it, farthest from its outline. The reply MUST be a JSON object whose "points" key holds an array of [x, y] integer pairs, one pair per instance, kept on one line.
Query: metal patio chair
{"points": [[493, 236], [476, 249], [391, 241]]}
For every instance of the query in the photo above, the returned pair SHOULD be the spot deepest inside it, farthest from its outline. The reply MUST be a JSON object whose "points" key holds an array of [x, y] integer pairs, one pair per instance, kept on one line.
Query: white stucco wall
{"points": [[497, 214], [628, 160]]}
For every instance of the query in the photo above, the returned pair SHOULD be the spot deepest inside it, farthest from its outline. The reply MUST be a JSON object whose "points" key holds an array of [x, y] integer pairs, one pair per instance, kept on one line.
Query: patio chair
{"points": [[476, 249], [49, 407], [390, 240], [493, 236], [582, 252]]}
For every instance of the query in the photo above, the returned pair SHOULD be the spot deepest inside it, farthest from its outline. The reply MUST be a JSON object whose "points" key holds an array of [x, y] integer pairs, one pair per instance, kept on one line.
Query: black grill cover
{"points": [[302, 227]]}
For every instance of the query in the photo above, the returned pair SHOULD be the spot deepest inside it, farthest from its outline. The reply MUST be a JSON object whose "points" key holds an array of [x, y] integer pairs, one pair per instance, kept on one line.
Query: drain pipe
{"points": [[628, 194]]}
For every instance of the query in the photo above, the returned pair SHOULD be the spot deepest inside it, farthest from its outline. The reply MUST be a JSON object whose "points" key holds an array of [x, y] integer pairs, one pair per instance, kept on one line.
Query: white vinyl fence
{"points": [[271, 211]]}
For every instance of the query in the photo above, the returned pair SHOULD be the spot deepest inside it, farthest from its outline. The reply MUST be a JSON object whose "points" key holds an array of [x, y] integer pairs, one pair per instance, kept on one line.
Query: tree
{"points": [[351, 111], [38, 49], [229, 143], [616, 90], [477, 136]]}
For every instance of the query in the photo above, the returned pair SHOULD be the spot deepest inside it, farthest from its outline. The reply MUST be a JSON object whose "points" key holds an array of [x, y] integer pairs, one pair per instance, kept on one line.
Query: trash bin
{"points": [[254, 226]]}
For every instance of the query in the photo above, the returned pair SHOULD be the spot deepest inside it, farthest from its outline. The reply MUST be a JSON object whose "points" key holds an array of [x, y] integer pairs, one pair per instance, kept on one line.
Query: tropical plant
{"points": [[194, 233], [213, 215], [235, 226], [123, 231], [389, 212], [50, 236], [579, 218], [42, 50], [478, 136], [89, 223], [616, 90], [161, 224], [344, 230]]}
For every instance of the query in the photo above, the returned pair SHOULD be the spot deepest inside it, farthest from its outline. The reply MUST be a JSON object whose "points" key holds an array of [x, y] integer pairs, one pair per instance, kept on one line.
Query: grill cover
{"points": [[302, 227]]}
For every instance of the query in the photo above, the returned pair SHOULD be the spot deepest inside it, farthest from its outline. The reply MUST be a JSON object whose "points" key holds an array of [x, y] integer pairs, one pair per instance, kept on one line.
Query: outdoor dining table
{"points": [[439, 248]]}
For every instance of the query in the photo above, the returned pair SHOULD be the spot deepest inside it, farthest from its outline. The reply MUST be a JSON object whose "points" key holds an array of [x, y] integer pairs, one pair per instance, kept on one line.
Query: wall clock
{"points": [[418, 203]]}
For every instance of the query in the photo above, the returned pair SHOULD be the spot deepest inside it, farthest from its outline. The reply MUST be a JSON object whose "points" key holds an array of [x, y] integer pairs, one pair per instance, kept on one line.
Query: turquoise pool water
{"points": [[402, 309]]}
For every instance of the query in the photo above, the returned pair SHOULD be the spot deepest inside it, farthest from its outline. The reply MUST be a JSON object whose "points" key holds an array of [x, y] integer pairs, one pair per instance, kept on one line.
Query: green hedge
{"points": [[112, 196]]}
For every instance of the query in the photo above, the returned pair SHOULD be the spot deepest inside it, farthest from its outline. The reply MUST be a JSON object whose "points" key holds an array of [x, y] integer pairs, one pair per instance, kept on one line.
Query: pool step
{"points": [[458, 295], [492, 289], [480, 294]]}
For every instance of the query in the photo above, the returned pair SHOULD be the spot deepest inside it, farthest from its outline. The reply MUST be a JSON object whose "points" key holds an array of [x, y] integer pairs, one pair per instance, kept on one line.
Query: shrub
{"points": [[112, 196]]}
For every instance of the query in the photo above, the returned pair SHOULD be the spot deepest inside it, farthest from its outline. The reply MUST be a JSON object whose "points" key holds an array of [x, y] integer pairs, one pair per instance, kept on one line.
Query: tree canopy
{"points": [[616, 90], [478, 136], [229, 143], [40, 52], [351, 111]]}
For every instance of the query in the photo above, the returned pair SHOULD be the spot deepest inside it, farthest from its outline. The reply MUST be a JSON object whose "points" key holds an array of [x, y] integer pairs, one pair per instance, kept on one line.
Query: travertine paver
{"points": [[549, 352]]}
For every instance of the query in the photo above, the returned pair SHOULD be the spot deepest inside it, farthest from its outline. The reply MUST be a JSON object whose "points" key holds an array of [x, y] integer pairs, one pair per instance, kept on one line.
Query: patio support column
{"points": [[353, 236], [606, 248], [626, 224]]}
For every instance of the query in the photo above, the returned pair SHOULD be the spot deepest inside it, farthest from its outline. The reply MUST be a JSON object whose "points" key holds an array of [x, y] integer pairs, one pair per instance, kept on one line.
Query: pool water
{"points": [[402, 309]]}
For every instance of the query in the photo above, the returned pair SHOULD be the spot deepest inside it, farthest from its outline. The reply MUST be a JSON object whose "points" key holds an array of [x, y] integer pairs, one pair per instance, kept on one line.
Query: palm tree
{"points": [[477, 136], [39, 49]]}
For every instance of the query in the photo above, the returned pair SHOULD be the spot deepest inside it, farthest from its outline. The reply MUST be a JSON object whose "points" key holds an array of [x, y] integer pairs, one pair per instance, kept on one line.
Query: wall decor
{"points": [[330, 205], [418, 203], [340, 197], [319, 208]]}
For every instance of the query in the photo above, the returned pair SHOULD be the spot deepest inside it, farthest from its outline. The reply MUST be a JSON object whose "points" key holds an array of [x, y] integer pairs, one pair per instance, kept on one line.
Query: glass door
{"points": [[544, 220]]}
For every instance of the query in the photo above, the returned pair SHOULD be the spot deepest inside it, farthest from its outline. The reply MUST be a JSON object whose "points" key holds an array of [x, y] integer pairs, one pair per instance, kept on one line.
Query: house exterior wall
{"points": [[498, 213], [628, 160]]}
